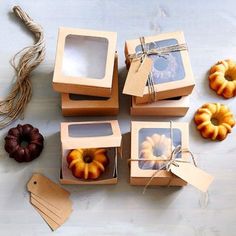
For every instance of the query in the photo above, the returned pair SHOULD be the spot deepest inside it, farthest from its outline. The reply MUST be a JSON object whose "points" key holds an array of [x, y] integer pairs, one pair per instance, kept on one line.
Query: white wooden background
{"points": [[210, 30]]}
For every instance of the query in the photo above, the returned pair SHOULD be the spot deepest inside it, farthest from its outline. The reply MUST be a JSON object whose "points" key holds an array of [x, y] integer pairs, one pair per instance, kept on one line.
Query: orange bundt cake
{"points": [[87, 163], [222, 78], [214, 121]]}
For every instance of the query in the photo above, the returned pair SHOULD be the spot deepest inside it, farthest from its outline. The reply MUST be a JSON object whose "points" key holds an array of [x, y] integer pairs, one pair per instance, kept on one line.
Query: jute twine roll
{"points": [[24, 62]]}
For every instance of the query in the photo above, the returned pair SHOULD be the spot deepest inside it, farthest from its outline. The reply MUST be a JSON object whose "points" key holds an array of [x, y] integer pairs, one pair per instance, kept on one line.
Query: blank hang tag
{"points": [[63, 212], [47, 212], [50, 200], [137, 77], [48, 191], [53, 225], [193, 175]]}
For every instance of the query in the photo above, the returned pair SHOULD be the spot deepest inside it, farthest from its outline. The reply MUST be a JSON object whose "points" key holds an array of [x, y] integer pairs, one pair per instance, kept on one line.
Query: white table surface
{"points": [[210, 30]]}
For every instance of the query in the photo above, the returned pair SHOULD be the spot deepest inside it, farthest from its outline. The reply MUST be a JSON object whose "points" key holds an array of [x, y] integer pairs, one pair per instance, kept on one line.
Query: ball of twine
{"points": [[24, 62]]}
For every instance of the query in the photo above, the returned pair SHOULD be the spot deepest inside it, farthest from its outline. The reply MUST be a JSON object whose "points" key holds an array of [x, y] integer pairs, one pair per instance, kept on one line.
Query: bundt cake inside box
{"points": [[152, 146], [87, 163], [90, 152]]}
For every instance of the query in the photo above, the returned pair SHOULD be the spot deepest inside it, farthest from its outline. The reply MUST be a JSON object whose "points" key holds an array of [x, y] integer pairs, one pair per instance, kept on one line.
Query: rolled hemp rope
{"points": [[24, 62]]}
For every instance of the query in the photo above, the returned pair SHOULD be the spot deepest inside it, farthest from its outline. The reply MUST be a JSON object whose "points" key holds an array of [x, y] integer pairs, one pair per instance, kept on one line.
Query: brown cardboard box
{"points": [[82, 105], [175, 66], [99, 134], [84, 62], [139, 132], [168, 107]]}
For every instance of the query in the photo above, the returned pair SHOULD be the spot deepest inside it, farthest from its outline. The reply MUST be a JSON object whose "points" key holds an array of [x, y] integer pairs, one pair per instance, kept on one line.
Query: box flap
{"points": [[90, 134]]}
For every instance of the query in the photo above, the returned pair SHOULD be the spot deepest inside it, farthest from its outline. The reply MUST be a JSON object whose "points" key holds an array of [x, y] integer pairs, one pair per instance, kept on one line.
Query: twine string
{"points": [[159, 51], [23, 62], [143, 55], [151, 89], [168, 161]]}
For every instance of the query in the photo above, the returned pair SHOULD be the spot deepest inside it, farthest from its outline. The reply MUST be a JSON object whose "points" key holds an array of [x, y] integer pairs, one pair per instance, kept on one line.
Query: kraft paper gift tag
{"points": [[53, 225], [50, 200], [193, 175], [65, 209], [47, 205], [137, 77], [57, 219]]}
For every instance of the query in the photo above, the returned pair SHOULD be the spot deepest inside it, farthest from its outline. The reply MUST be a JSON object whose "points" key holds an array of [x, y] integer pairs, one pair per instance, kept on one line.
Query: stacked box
{"points": [[168, 77], [86, 72], [177, 106]]}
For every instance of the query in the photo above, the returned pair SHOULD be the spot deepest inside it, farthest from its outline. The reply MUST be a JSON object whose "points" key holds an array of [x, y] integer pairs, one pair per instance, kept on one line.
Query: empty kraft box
{"points": [[84, 105], [84, 62]]}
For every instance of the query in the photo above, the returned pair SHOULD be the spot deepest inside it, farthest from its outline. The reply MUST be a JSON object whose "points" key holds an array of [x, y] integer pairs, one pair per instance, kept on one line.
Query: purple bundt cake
{"points": [[24, 143]]}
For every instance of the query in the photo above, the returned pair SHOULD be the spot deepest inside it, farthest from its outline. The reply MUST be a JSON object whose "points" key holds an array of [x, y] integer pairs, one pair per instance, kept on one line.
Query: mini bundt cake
{"points": [[222, 78], [214, 121], [24, 143], [87, 163], [155, 148]]}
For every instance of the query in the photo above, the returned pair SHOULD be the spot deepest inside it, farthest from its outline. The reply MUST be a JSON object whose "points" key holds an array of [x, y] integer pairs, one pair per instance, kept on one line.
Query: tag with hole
{"points": [[47, 190], [50, 200], [137, 77], [193, 175]]}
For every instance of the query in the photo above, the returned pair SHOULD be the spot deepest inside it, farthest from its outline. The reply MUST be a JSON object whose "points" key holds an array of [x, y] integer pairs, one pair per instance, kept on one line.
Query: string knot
{"points": [[159, 51]]}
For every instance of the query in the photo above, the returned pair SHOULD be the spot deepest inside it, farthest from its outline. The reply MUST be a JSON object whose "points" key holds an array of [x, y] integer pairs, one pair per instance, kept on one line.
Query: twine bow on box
{"points": [[173, 160], [159, 51], [168, 161]]}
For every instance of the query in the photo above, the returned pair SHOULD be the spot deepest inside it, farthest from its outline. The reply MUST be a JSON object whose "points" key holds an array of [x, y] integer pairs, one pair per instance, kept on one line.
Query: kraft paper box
{"points": [[141, 171], [169, 107], [83, 105], [93, 134], [152, 141], [84, 62], [171, 73]]}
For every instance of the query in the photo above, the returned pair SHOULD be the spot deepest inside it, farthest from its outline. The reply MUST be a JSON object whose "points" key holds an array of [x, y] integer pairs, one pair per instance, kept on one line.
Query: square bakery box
{"points": [[158, 133], [93, 134], [172, 73], [84, 105], [177, 106], [84, 62]]}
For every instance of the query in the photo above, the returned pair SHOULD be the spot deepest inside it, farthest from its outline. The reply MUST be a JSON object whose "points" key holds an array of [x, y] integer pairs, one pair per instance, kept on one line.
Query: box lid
{"points": [[90, 134], [81, 40]]}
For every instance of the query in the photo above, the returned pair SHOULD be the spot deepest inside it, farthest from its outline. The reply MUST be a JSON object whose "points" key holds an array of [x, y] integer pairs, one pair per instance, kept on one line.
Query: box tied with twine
{"points": [[141, 66], [180, 167]]}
